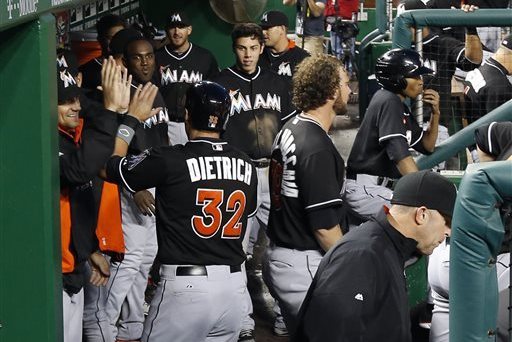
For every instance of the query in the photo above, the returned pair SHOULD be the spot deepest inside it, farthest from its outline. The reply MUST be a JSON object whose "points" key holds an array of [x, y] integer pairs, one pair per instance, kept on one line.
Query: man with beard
{"points": [[181, 64], [306, 176]]}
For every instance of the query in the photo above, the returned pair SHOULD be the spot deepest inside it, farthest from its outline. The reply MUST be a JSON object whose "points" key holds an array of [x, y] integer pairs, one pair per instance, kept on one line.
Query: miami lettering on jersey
{"points": [[287, 148], [171, 76], [161, 116], [217, 167], [241, 103], [285, 69]]}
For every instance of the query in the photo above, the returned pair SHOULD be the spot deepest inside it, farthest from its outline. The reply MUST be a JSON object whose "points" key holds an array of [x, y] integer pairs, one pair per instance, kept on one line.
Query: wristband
{"points": [[130, 121], [471, 31], [125, 133]]}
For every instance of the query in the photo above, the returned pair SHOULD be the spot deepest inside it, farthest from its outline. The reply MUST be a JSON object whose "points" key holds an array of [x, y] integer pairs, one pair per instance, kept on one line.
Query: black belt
{"points": [[261, 163], [200, 270]]}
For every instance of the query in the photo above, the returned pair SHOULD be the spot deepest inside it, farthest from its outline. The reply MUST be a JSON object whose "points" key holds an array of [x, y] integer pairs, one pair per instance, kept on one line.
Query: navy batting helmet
{"points": [[395, 65], [208, 104]]}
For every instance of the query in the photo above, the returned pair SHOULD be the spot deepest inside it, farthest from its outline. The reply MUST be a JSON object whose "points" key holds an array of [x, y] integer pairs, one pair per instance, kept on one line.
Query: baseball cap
{"points": [[178, 19], [426, 188], [507, 42], [67, 70], [121, 38], [273, 18]]}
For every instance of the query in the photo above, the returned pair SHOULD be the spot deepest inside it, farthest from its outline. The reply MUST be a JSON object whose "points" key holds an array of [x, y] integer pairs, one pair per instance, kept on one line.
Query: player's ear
{"points": [[421, 215], [189, 30]]}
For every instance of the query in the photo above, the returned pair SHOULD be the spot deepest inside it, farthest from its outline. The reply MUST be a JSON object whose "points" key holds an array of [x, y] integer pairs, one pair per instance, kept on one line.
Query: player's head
{"points": [[400, 71], [319, 79], [274, 25], [248, 43], [422, 205], [68, 92], [107, 27], [207, 104], [119, 41], [178, 29], [139, 59]]}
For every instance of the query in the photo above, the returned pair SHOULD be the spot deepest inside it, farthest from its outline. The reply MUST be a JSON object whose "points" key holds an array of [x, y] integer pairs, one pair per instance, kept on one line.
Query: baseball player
{"points": [[381, 148], [260, 102], [205, 192], [306, 176], [179, 65], [126, 287], [488, 87], [443, 54], [494, 142], [107, 27], [280, 54], [84, 146]]}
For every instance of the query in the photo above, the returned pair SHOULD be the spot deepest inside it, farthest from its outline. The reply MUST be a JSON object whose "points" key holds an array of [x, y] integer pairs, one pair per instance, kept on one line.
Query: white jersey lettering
{"points": [[207, 168]]}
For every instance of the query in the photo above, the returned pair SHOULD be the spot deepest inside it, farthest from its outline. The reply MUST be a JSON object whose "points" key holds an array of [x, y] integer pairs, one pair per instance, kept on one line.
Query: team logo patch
{"points": [[133, 160], [213, 121]]}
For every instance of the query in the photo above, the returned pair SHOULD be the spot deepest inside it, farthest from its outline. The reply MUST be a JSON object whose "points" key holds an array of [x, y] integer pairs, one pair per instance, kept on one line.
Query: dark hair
{"points": [[247, 30], [316, 80], [131, 41], [107, 22]]}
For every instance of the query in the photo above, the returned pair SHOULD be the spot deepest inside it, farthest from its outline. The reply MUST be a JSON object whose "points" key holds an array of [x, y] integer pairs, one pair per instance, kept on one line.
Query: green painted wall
{"points": [[30, 275]]}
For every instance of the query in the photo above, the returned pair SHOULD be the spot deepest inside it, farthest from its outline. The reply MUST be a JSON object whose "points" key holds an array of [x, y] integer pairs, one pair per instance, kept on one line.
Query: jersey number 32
{"points": [[213, 208]]}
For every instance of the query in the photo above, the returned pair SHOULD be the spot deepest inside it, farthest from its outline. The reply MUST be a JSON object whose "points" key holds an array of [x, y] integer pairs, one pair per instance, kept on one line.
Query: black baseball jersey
{"points": [[260, 103], [306, 179], [443, 54], [91, 73], [176, 72], [153, 132], [487, 88], [205, 190], [283, 63], [387, 132]]}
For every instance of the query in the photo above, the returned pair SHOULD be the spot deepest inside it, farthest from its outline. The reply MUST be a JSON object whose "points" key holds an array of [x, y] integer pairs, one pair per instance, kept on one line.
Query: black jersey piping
{"points": [[121, 175], [246, 79]]}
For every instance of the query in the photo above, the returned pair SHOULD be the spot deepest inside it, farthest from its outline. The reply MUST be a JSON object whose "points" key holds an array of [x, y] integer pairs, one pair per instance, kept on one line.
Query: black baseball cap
{"points": [[507, 42], [178, 19], [273, 18], [426, 188], [67, 70], [121, 39]]}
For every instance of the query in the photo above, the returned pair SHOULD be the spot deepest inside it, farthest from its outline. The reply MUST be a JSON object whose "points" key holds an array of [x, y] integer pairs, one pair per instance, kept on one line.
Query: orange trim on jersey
{"points": [[291, 44], [75, 134], [68, 259], [108, 229]]}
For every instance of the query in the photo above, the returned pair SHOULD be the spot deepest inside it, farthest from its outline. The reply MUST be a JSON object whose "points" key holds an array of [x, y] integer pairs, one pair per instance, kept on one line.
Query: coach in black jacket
{"points": [[359, 291]]}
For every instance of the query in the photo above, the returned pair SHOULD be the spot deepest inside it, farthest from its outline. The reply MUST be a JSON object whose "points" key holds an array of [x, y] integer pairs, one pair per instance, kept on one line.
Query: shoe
{"points": [[246, 336], [279, 328]]}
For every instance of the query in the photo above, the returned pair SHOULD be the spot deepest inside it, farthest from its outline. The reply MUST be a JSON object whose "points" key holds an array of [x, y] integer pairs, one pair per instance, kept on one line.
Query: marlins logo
{"points": [[285, 69], [67, 78], [176, 18], [132, 161], [241, 103], [61, 62], [213, 121]]}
